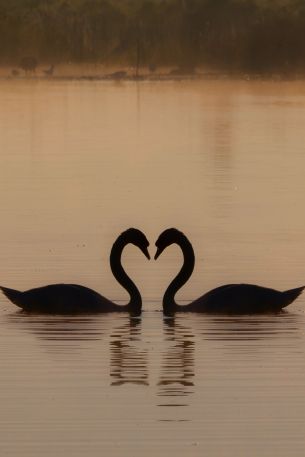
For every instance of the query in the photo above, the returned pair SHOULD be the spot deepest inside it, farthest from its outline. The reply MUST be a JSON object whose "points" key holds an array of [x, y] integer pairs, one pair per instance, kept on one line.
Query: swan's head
{"points": [[168, 237], [136, 237]]}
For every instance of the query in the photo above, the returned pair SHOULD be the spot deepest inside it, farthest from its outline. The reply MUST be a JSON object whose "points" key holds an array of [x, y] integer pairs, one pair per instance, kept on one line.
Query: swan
{"points": [[72, 298], [230, 298]]}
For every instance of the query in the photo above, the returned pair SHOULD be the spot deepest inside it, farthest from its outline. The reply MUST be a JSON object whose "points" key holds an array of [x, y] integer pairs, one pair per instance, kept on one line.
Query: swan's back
{"points": [[244, 298], [59, 299]]}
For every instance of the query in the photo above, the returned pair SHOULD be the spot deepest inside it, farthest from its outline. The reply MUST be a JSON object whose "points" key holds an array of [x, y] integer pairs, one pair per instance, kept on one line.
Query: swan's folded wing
{"points": [[239, 298]]}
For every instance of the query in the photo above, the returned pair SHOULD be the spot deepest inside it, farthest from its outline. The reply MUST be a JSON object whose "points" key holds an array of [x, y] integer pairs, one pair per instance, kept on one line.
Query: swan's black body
{"points": [[72, 298], [230, 298]]}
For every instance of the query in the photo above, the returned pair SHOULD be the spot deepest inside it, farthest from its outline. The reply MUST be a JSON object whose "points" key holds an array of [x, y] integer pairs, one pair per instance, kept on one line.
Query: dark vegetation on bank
{"points": [[238, 35]]}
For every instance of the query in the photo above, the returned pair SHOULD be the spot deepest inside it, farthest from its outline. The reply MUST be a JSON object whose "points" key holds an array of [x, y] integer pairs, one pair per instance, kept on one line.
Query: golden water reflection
{"points": [[128, 358]]}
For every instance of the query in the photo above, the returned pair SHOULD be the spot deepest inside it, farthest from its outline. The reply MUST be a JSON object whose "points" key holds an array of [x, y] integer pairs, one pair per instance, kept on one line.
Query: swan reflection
{"points": [[177, 369], [63, 335], [128, 358], [249, 327]]}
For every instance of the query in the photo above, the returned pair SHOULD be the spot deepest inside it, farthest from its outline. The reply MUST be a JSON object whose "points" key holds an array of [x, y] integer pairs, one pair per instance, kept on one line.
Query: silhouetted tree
{"points": [[251, 35]]}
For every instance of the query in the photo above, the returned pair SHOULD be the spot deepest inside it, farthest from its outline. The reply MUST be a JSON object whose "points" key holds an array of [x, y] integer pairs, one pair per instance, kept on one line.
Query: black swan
{"points": [[72, 298], [230, 298]]}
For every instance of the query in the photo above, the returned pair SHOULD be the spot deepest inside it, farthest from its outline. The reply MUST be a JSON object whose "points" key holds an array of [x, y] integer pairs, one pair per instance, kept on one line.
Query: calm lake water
{"points": [[82, 161]]}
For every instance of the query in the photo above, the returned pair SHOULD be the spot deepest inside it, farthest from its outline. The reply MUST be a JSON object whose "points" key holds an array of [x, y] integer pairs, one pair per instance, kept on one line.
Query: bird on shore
{"points": [[49, 71]]}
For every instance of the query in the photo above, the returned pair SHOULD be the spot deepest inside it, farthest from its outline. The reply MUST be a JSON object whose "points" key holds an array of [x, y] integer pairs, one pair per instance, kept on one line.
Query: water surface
{"points": [[82, 161]]}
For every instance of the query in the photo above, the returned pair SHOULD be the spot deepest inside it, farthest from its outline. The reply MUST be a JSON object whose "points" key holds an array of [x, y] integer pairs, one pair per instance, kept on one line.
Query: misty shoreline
{"points": [[253, 36], [159, 78], [92, 72]]}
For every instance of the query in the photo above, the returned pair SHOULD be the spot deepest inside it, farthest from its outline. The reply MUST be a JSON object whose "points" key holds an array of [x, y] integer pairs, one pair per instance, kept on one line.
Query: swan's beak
{"points": [[146, 253], [157, 253]]}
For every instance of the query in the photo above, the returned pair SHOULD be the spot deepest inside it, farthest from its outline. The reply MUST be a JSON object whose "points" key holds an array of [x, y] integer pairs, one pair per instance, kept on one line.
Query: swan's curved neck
{"points": [[169, 303], [135, 303]]}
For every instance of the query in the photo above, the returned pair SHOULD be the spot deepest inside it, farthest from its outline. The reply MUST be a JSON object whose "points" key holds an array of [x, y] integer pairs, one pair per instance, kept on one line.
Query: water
{"points": [[222, 161]]}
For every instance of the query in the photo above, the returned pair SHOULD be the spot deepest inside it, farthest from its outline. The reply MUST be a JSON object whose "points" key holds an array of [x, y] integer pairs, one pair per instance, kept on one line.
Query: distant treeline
{"points": [[246, 35]]}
